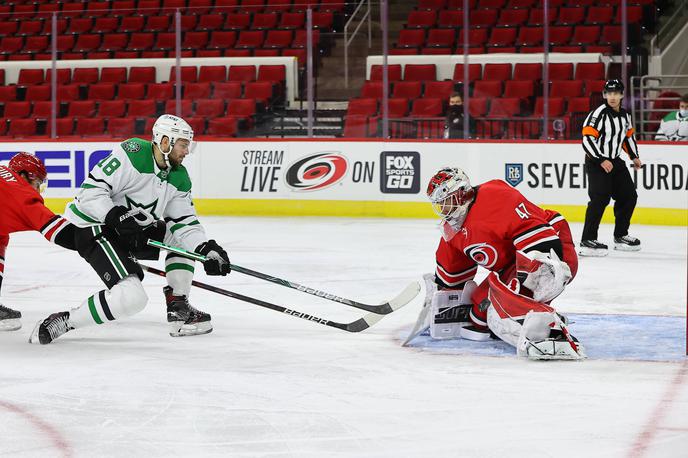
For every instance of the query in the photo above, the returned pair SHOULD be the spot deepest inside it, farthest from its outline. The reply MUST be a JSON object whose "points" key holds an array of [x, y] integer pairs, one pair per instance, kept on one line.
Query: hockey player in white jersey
{"points": [[140, 191]]}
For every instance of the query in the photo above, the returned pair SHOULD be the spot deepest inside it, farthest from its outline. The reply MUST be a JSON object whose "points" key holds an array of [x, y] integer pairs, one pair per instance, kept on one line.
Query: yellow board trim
{"points": [[380, 209]]}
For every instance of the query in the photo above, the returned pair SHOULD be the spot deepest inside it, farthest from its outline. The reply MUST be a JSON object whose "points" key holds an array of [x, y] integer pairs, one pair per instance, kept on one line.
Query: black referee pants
{"points": [[603, 186]]}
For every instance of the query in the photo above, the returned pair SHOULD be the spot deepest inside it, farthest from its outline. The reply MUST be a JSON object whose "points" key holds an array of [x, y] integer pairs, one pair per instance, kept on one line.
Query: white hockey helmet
{"points": [[451, 193], [174, 128]]}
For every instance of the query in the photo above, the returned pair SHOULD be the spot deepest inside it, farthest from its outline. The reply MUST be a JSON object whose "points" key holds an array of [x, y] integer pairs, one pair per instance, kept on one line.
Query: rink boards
{"points": [[374, 179]]}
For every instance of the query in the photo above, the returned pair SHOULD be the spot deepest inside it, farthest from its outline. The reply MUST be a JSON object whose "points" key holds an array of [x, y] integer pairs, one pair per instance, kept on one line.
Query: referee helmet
{"points": [[614, 86]]}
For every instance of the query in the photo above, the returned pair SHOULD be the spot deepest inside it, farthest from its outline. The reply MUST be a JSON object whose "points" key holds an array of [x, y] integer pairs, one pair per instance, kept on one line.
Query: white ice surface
{"points": [[266, 384]]}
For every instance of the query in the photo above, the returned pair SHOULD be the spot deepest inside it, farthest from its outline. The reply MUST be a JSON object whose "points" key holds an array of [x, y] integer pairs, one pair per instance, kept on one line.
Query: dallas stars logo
{"points": [[150, 208]]}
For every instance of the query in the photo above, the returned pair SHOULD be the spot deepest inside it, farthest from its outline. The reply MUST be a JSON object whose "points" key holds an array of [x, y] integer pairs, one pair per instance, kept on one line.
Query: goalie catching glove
{"points": [[543, 274], [217, 262]]}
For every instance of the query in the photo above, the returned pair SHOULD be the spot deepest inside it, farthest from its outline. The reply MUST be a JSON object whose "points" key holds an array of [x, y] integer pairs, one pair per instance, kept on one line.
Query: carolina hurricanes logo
{"points": [[482, 253], [317, 171]]}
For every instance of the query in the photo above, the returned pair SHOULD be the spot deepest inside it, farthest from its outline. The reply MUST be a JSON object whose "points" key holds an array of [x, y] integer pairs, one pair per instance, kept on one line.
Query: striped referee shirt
{"points": [[606, 132]]}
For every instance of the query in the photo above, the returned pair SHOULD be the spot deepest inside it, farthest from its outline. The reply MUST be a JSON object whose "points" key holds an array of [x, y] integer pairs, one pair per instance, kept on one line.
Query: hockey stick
{"points": [[355, 326], [399, 301]]}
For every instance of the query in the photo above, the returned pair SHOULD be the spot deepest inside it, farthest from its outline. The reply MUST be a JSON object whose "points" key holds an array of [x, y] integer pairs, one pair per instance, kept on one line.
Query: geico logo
{"points": [[399, 162], [399, 182]]}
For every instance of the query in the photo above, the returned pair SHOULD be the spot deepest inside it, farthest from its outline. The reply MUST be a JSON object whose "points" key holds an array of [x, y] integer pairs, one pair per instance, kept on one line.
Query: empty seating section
{"points": [[146, 28], [505, 98], [117, 101], [436, 27]]}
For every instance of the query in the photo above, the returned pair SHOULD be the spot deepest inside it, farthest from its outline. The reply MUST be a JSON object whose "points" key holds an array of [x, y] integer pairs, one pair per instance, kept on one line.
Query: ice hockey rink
{"points": [[265, 384]]}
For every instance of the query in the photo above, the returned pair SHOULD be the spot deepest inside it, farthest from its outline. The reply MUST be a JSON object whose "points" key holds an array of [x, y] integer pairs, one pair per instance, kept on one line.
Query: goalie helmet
{"points": [[451, 193], [174, 128], [30, 165]]}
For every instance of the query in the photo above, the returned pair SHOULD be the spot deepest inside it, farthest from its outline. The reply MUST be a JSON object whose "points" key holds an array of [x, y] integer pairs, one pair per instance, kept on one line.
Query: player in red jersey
{"points": [[23, 209], [530, 253]]}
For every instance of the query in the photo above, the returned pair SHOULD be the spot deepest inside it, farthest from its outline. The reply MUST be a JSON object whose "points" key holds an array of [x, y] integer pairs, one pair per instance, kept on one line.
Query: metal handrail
{"points": [[663, 33], [649, 83], [347, 40]]}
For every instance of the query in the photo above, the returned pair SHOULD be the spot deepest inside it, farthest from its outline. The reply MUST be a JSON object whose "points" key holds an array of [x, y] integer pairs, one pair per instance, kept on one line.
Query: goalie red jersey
{"points": [[499, 222], [23, 209]]}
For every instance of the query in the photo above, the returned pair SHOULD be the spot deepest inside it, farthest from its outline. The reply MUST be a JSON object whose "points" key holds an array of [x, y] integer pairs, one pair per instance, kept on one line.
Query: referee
{"points": [[606, 131]]}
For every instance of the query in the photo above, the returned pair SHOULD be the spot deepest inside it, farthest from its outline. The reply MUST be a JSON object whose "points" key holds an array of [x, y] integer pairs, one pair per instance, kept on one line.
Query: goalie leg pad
{"points": [[449, 313]]}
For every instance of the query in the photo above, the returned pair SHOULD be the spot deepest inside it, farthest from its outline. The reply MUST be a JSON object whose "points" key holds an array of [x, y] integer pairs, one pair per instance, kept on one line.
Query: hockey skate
{"points": [[554, 347], [626, 243], [10, 320], [51, 328], [183, 319], [592, 248]]}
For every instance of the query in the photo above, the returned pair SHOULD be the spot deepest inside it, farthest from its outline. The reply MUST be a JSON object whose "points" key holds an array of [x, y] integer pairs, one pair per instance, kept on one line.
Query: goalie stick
{"points": [[399, 301], [355, 326]]}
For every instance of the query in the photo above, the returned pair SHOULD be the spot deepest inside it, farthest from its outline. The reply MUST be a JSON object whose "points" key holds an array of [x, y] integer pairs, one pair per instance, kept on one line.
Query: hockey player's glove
{"points": [[126, 222], [217, 262]]}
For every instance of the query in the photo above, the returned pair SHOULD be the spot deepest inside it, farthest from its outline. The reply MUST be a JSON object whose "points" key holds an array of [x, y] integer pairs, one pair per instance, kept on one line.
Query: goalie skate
{"points": [[552, 348], [183, 319], [10, 320]]}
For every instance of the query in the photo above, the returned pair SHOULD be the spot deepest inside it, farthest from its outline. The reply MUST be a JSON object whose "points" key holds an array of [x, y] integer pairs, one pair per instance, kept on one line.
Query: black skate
{"points": [[592, 248], [185, 320], [626, 243], [51, 328], [10, 320]]}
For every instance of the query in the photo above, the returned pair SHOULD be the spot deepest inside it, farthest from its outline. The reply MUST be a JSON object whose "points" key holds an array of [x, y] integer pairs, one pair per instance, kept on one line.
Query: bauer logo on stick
{"points": [[400, 172]]}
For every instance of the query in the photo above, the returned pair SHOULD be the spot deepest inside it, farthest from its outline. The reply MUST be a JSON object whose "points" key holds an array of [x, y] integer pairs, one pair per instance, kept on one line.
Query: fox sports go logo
{"points": [[316, 171]]}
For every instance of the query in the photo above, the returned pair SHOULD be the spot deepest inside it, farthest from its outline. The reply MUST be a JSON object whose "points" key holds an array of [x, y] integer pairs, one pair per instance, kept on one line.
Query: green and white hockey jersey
{"points": [[129, 176], [674, 127]]}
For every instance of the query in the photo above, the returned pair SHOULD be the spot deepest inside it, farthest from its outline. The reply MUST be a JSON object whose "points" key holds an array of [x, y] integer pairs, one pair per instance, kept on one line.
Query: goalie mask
{"points": [[174, 128], [451, 193]]}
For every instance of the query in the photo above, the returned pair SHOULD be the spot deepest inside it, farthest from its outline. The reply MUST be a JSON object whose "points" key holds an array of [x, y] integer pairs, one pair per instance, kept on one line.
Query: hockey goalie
{"points": [[531, 258]]}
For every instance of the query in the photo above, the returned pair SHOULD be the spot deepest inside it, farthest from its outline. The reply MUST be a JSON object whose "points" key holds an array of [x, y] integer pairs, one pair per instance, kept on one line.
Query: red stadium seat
{"points": [[210, 108], [226, 6], [196, 123], [227, 90], [420, 72], [421, 19], [34, 93], [278, 39], [634, 14], [333, 5], [64, 127], [292, 20], [560, 71], [20, 128], [17, 109], [600, 15], [571, 15], [114, 42], [121, 127], [101, 91], [450, 19], [30, 76], [222, 39], [165, 41], [372, 89], [11, 45], [195, 40], [210, 22], [171, 6], [444, 38], [427, 107], [362, 107], [278, 5], [530, 36], [105, 25], [142, 75], [131, 91], [87, 75], [188, 74], [497, 72], [141, 41], [237, 21], [250, 39], [97, 9], [210, 73], [567, 89], [513, 17], [594, 87], [242, 73], [411, 38], [505, 107], [30, 28], [160, 91], [8, 93], [407, 89], [532, 72], [132, 24], [393, 72], [556, 107], [252, 6], [537, 15], [195, 91], [112, 108], [431, 4], [484, 18], [64, 76], [300, 39], [208, 53], [223, 127], [262, 91], [474, 72], [68, 92], [358, 126], [439, 89], [264, 21], [590, 71], [273, 73], [157, 23], [476, 37], [560, 35], [239, 53], [502, 37], [579, 105], [142, 108], [523, 88], [82, 108], [79, 25], [242, 109], [87, 127], [477, 106], [586, 35], [186, 107], [487, 89]]}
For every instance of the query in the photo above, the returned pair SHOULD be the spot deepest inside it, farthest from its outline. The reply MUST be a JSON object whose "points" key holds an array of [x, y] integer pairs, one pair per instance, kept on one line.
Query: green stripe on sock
{"points": [[94, 313], [179, 266]]}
